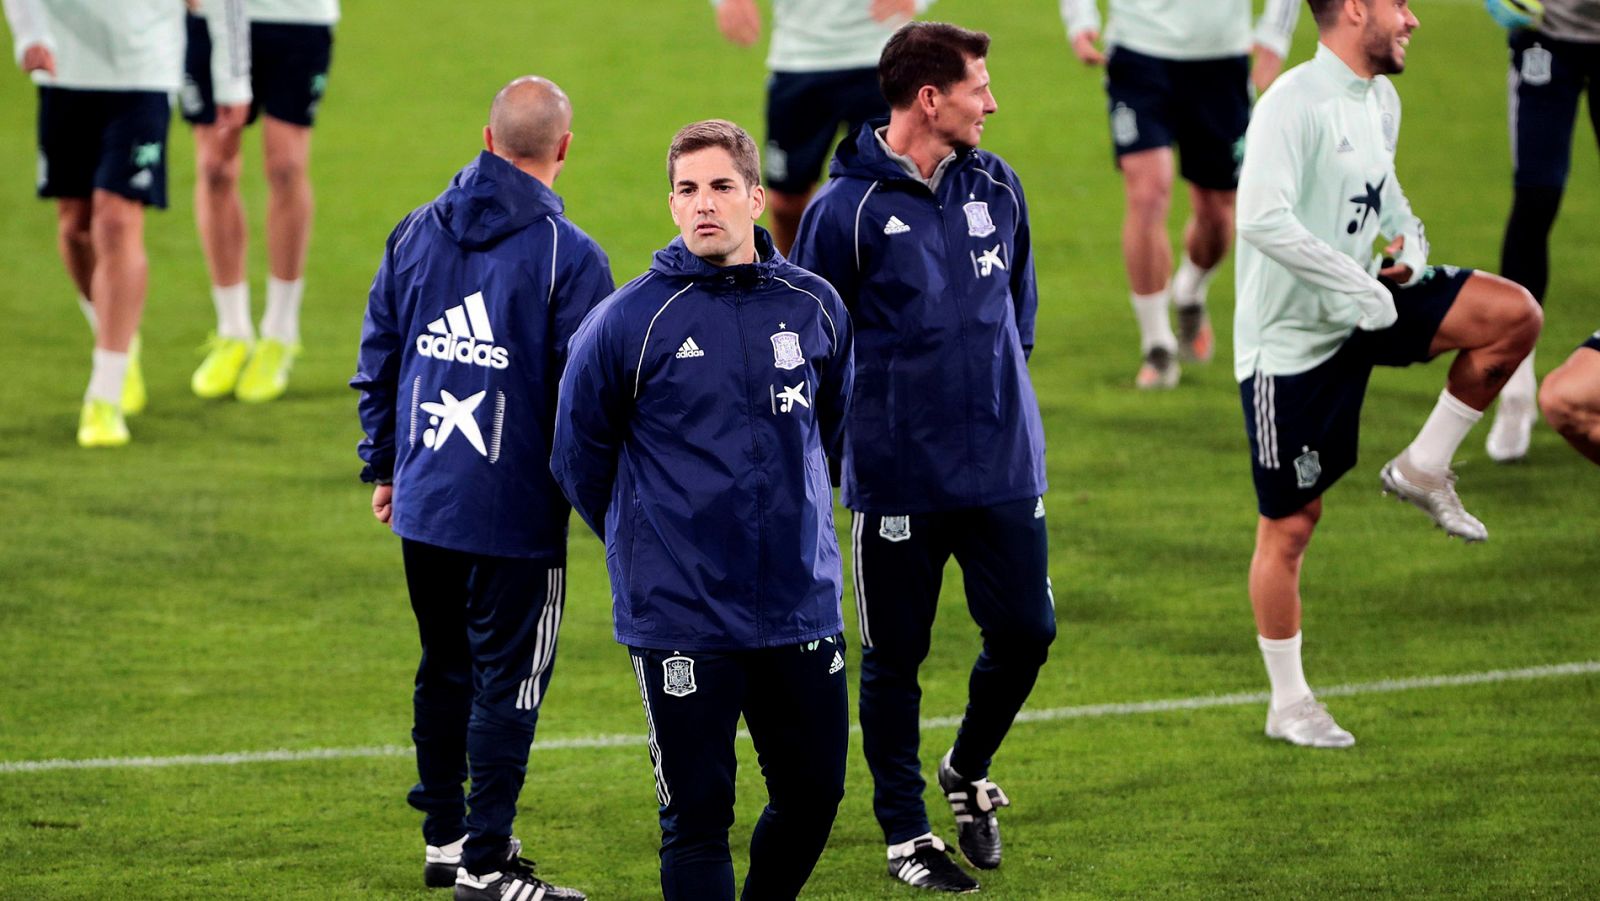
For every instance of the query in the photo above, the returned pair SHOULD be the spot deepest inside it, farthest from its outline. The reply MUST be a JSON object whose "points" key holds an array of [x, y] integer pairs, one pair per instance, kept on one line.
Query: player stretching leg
{"points": [[1315, 314]]}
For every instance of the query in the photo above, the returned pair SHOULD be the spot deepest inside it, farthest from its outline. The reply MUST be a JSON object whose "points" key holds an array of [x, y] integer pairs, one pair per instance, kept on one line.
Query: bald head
{"points": [[529, 120]]}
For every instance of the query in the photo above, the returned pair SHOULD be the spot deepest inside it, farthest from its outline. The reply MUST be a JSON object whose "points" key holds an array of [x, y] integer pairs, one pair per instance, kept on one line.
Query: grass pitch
{"points": [[219, 586]]}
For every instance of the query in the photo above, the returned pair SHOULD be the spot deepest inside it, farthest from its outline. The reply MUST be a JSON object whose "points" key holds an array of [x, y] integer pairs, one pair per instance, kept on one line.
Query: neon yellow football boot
{"points": [[266, 376], [101, 425], [218, 373], [134, 396]]}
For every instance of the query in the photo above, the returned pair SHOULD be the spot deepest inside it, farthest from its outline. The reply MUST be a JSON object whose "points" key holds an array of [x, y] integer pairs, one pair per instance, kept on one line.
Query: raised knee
{"points": [[1524, 318]]}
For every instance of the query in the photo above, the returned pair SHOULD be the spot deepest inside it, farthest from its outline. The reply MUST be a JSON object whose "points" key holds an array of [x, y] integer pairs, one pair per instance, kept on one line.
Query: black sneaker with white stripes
{"points": [[925, 862], [440, 862], [974, 803], [514, 881]]}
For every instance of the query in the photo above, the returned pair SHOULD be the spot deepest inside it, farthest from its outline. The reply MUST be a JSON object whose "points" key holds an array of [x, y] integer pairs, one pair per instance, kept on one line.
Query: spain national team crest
{"points": [[894, 528], [1307, 468], [1536, 66], [786, 350], [679, 676], [979, 225]]}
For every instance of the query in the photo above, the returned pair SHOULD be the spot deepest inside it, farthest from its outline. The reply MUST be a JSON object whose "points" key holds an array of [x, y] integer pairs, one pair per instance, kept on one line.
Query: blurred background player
{"points": [[717, 518], [278, 70], [105, 71], [465, 337], [927, 239], [1554, 59], [1570, 398], [1178, 72], [824, 65], [1315, 314]]}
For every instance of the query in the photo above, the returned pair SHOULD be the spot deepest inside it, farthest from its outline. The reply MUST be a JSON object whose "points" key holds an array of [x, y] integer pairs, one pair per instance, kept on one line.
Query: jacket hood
{"points": [[490, 199], [677, 261], [861, 156]]}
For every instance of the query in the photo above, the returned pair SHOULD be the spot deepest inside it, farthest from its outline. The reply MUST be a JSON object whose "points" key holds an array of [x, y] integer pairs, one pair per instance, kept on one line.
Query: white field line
{"points": [[1384, 686]]}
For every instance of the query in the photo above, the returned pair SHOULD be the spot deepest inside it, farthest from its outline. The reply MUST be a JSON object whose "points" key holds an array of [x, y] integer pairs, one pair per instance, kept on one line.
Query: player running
{"points": [[104, 72], [1179, 72], [1315, 313]]}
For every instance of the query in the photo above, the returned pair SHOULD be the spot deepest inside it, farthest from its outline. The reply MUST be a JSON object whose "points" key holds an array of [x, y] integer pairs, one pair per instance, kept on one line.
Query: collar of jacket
{"points": [[1328, 64], [677, 261], [490, 199], [862, 156]]}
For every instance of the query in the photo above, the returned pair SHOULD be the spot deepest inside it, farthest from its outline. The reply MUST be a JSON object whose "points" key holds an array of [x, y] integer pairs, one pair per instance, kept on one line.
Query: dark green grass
{"points": [[219, 586]]}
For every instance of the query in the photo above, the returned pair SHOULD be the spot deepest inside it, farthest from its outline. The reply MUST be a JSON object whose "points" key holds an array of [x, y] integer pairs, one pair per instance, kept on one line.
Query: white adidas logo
{"points": [[895, 227], [689, 349], [837, 664], [463, 335]]}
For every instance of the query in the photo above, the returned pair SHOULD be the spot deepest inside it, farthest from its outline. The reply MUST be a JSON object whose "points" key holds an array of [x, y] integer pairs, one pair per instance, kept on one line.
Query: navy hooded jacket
{"points": [[694, 418], [462, 348], [942, 293]]}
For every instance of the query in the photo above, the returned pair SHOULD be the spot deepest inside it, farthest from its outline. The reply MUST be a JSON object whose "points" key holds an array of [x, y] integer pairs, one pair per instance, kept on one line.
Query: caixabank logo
{"points": [[463, 335]]}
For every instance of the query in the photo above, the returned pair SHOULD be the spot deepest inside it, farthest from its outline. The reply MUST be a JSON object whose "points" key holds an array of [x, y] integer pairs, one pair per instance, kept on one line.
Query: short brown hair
{"points": [[717, 133], [1326, 12], [922, 53]]}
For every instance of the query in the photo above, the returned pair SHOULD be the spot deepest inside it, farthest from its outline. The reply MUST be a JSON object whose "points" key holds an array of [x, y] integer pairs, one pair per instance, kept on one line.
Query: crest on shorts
{"points": [[1307, 468], [894, 528], [979, 225], [678, 678], [1124, 125], [1038, 509], [786, 350], [1536, 66]]}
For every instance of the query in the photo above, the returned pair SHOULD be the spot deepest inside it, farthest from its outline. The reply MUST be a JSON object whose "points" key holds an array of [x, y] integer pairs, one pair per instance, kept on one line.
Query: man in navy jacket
{"points": [[462, 348], [696, 415], [926, 239]]}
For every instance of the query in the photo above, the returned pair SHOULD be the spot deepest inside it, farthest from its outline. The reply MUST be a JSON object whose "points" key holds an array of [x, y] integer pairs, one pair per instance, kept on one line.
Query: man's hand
{"points": [[740, 21], [1083, 44], [382, 502], [1399, 273], [1514, 14], [38, 58], [884, 10], [232, 116], [1264, 68]]}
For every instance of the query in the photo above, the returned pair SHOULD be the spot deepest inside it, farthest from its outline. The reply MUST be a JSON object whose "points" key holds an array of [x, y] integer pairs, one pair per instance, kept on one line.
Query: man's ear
{"points": [[488, 139], [561, 148]]}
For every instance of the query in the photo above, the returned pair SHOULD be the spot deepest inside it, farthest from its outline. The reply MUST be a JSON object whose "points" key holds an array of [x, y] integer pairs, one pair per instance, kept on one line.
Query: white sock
{"points": [[1447, 425], [281, 321], [1190, 284], [233, 311], [88, 314], [1155, 329], [1282, 656], [105, 380], [1522, 386]]}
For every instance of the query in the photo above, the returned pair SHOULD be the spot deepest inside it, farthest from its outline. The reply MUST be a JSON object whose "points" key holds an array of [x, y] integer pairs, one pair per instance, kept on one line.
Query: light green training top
{"points": [[1186, 29], [1316, 190], [827, 35]]}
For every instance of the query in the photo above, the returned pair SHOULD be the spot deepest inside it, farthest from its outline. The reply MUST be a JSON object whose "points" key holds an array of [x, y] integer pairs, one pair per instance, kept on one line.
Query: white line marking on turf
{"points": [[1384, 686]]}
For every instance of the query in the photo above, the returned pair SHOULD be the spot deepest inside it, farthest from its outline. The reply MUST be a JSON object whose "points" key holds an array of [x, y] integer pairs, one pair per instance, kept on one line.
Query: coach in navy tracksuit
{"points": [[694, 420], [461, 355], [926, 239]]}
